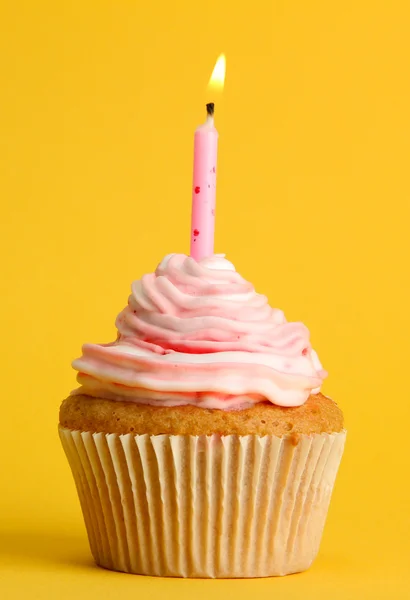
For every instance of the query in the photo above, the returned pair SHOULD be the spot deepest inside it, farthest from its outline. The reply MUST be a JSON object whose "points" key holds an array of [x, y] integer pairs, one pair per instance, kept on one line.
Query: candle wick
{"points": [[210, 109]]}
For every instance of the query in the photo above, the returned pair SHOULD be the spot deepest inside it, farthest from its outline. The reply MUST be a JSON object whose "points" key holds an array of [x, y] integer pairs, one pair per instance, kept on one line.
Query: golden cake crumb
{"points": [[318, 414]]}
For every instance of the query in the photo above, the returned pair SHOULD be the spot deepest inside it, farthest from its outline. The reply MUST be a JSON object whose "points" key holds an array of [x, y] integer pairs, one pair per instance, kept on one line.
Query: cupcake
{"points": [[199, 441]]}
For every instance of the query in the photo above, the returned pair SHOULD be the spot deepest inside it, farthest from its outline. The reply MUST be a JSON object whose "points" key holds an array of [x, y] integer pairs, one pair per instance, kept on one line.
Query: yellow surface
{"points": [[98, 104]]}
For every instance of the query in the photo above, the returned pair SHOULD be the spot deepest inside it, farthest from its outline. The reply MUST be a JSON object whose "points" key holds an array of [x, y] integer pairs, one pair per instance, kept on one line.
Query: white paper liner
{"points": [[203, 506]]}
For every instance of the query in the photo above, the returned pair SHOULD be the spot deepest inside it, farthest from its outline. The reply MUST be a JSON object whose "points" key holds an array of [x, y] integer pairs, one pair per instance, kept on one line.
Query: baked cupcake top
{"points": [[198, 333]]}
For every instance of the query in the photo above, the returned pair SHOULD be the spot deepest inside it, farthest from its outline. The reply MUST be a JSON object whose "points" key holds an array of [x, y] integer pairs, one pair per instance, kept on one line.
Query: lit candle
{"points": [[204, 180]]}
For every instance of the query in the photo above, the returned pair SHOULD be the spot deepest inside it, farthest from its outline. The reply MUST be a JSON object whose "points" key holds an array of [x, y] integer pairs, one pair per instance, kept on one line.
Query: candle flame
{"points": [[217, 79]]}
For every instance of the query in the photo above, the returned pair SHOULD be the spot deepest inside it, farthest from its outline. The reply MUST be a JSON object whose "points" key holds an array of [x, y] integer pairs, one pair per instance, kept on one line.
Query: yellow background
{"points": [[98, 104]]}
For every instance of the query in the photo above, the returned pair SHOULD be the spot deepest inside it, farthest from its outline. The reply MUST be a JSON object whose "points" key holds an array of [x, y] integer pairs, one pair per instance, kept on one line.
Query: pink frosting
{"points": [[198, 333]]}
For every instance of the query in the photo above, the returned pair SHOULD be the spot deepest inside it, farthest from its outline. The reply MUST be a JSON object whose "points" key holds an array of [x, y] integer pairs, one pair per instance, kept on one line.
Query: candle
{"points": [[204, 179], [204, 187]]}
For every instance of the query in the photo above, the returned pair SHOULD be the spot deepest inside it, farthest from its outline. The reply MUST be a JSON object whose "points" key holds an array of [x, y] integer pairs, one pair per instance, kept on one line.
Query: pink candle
{"points": [[204, 188]]}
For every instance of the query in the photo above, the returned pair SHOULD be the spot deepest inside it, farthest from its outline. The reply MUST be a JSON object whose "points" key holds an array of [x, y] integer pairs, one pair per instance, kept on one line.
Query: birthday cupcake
{"points": [[199, 441]]}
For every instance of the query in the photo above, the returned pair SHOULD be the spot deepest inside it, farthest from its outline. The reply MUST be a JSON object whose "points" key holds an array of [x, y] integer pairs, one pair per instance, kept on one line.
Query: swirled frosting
{"points": [[198, 333]]}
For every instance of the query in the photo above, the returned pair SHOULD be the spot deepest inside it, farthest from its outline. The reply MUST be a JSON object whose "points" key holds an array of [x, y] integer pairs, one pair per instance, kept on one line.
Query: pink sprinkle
{"points": [[304, 351], [213, 170], [196, 232], [197, 189], [213, 212]]}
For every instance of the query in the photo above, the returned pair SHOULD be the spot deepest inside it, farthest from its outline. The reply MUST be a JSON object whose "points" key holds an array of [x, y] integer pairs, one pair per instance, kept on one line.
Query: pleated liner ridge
{"points": [[206, 506]]}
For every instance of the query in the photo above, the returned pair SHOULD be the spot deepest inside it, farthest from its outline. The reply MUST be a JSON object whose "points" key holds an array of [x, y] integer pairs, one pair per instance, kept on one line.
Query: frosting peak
{"points": [[198, 333]]}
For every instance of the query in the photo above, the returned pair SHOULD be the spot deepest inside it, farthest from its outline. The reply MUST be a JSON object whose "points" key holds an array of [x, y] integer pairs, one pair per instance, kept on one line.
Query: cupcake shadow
{"points": [[44, 548]]}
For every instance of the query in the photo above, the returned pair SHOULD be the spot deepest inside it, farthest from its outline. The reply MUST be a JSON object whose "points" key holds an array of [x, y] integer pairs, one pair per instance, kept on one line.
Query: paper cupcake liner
{"points": [[203, 506]]}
